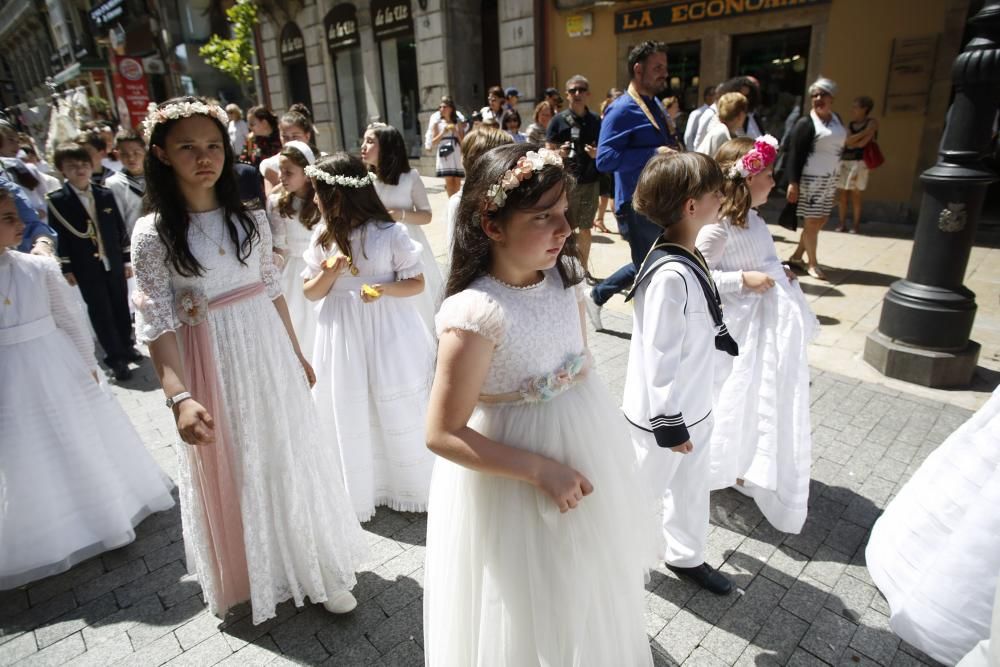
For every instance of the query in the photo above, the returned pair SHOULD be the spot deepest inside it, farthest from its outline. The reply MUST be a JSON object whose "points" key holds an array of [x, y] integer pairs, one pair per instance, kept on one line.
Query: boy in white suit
{"points": [[677, 326]]}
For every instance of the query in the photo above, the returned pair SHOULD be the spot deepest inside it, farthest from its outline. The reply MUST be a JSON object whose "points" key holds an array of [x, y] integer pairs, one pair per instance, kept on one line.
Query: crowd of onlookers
{"points": [[822, 165]]}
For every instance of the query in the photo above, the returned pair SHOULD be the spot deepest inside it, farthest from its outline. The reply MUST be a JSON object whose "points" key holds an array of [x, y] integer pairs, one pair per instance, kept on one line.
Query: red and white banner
{"points": [[131, 90]]}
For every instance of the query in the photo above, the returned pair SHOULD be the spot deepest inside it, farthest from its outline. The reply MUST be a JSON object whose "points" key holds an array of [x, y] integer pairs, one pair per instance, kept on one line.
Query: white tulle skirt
{"points": [[762, 428], [509, 581], [429, 300], [935, 552], [75, 479]]}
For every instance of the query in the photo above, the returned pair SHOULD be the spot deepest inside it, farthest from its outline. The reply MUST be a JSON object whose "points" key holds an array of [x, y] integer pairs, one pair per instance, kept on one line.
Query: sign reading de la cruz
{"points": [[391, 18], [341, 26], [695, 11], [291, 44]]}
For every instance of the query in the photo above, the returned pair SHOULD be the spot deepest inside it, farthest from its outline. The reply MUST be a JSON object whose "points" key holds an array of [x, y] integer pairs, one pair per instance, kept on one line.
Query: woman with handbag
{"points": [[852, 178], [444, 135], [813, 159]]}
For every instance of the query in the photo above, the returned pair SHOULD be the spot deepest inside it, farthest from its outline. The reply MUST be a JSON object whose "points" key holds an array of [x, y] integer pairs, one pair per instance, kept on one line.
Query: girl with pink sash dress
{"points": [[266, 515]]}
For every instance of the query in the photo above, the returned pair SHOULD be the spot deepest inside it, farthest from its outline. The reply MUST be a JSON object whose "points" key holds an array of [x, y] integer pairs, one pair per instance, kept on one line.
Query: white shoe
{"points": [[593, 310], [341, 603]]}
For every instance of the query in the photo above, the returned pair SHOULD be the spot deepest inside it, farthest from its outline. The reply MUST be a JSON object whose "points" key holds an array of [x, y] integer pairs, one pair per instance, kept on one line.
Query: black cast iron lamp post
{"points": [[923, 334]]}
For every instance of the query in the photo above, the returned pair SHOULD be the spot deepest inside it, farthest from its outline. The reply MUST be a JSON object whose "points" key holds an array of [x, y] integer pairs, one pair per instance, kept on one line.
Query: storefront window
{"points": [[779, 61], [293, 62], [341, 26], [683, 63], [392, 24]]}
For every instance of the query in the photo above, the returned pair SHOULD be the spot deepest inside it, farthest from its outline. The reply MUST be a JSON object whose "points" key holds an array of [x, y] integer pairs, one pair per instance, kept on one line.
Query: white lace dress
{"points": [[300, 535], [291, 236], [935, 551], [509, 581], [374, 363], [409, 194], [762, 431], [75, 479]]}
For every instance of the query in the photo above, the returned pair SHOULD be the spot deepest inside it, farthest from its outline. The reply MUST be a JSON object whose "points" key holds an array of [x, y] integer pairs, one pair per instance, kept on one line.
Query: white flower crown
{"points": [[526, 166], [159, 115], [337, 179]]}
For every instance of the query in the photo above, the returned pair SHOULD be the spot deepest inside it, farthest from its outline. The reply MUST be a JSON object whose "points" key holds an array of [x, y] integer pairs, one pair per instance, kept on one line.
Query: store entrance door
{"points": [[399, 85], [779, 60]]}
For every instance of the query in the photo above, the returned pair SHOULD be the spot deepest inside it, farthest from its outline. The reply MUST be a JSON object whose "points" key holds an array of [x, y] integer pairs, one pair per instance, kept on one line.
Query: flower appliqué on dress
{"points": [[192, 306], [547, 387]]}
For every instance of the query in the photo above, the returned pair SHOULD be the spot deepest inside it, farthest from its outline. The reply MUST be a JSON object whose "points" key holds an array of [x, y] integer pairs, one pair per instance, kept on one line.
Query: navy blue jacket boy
{"points": [[94, 247]]}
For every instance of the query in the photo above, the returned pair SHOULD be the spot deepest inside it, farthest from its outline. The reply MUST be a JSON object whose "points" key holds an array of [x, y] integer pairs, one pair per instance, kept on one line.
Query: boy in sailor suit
{"points": [[677, 326], [94, 251]]}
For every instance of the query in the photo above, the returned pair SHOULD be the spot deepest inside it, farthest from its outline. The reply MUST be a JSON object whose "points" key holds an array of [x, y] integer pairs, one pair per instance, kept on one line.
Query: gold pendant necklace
{"points": [[222, 250]]}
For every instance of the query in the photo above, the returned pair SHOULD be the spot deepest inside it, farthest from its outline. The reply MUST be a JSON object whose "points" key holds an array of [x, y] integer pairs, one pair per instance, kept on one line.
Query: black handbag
{"points": [[789, 218], [447, 147]]}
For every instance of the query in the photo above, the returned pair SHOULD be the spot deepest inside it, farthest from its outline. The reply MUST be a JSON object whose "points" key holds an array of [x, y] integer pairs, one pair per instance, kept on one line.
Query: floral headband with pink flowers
{"points": [[526, 166], [757, 159]]}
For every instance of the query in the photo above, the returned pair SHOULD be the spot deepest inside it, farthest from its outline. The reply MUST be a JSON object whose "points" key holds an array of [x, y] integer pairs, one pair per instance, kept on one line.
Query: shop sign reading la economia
{"points": [[696, 11]]}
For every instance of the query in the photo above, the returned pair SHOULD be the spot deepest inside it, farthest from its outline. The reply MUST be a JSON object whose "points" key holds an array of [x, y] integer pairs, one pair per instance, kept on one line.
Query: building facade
{"points": [[392, 60], [898, 52]]}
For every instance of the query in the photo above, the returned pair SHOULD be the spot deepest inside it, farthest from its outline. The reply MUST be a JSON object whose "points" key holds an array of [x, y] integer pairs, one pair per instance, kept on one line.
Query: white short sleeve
{"points": [[472, 310], [406, 254]]}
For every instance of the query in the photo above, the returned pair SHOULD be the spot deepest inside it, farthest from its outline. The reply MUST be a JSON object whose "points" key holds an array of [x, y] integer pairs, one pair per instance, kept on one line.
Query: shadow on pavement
{"points": [[805, 596]]}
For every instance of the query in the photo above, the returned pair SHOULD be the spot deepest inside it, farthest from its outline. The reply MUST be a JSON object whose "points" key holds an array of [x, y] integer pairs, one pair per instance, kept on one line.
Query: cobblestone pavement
{"points": [[805, 599]]}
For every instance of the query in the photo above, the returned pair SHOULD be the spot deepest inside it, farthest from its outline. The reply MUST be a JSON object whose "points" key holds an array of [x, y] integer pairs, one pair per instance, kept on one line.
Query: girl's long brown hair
{"points": [[736, 200], [309, 214], [471, 250], [344, 208]]}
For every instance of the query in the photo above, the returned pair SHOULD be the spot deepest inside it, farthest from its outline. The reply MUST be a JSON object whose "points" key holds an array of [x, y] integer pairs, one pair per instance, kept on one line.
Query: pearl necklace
{"points": [[520, 288]]}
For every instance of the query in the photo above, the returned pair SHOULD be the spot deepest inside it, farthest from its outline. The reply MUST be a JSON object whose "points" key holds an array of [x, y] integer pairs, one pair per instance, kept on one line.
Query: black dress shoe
{"points": [[134, 356], [703, 575], [121, 371]]}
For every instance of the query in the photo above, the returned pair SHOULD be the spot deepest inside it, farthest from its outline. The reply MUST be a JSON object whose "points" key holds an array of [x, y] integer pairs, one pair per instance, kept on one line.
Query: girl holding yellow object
{"points": [[374, 354]]}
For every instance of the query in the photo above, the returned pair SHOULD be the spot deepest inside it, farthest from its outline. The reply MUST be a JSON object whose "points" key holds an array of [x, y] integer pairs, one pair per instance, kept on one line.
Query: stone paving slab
{"points": [[804, 599]]}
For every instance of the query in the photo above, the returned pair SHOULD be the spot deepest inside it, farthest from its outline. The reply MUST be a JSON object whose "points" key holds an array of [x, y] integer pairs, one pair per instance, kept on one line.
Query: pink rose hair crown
{"points": [[525, 168], [757, 159]]}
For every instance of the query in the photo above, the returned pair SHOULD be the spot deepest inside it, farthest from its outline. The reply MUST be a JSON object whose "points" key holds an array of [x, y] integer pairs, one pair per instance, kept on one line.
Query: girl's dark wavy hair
{"points": [[344, 208], [392, 159], [163, 197], [472, 249]]}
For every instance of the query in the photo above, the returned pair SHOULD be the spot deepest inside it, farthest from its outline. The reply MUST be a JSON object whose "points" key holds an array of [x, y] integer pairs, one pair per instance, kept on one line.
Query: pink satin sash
{"points": [[214, 467]]}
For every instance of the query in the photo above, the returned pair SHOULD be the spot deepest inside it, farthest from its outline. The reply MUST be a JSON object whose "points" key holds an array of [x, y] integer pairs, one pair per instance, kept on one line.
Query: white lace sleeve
{"points": [[154, 294], [278, 224], [270, 274], [405, 254], [67, 311], [471, 310], [314, 255]]}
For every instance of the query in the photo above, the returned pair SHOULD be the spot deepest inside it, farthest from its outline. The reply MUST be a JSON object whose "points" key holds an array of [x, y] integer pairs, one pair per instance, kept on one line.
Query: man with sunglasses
{"points": [[574, 133]]}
